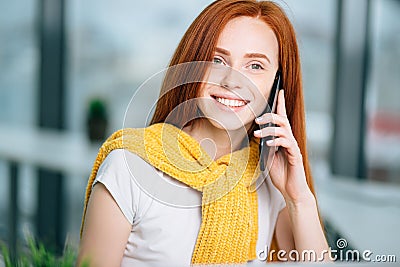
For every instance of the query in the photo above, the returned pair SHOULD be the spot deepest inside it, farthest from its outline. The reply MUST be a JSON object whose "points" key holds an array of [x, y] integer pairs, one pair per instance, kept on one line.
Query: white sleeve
{"points": [[115, 176], [277, 198]]}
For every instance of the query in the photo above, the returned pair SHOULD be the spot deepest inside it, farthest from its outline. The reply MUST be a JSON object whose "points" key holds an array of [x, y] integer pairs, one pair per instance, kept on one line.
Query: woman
{"points": [[203, 136]]}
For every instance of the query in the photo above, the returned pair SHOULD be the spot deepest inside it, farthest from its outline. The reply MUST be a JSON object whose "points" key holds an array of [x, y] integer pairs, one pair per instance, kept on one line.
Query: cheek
{"points": [[262, 94], [265, 93], [265, 87], [203, 90]]}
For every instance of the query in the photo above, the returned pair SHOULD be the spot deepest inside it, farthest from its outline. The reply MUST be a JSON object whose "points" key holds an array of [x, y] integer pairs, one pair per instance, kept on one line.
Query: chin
{"points": [[229, 122]]}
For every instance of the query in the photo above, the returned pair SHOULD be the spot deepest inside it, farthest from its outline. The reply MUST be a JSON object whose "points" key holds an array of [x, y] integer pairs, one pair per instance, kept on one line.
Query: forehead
{"points": [[249, 35]]}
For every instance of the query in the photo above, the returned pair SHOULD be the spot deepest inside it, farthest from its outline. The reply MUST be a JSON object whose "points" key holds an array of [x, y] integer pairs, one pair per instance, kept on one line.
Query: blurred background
{"points": [[68, 70]]}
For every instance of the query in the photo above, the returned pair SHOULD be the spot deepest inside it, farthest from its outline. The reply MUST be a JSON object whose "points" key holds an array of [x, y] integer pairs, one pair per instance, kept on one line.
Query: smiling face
{"points": [[244, 67]]}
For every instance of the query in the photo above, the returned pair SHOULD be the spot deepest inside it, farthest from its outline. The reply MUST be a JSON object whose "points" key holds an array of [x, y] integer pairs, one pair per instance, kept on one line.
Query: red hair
{"points": [[198, 44]]}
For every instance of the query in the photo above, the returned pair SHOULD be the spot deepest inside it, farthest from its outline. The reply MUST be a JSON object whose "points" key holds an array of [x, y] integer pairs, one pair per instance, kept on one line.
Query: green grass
{"points": [[37, 255]]}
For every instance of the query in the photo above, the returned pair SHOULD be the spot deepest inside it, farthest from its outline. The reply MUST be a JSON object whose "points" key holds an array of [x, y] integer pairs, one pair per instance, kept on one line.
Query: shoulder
{"points": [[121, 162], [114, 157], [118, 173], [114, 160]]}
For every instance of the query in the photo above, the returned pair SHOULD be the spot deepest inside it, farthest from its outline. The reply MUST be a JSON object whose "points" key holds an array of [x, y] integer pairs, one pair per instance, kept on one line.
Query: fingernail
{"points": [[270, 142], [257, 132], [259, 119]]}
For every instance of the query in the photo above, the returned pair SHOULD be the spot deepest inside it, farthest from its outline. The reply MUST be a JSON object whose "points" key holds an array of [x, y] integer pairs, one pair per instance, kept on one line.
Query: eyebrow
{"points": [[257, 55], [248, 55]]}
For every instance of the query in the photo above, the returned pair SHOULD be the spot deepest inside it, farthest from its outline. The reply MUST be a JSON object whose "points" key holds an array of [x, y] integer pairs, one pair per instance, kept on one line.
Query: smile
{"points": [[230, 102]]}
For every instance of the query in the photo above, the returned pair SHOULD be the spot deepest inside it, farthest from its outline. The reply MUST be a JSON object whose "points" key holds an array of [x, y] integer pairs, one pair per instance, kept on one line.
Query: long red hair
{"points": [[198, 44]]}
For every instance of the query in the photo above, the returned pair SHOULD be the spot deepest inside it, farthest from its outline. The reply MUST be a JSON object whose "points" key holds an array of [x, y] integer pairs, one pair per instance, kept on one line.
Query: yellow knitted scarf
{"points": [[229, 228]]}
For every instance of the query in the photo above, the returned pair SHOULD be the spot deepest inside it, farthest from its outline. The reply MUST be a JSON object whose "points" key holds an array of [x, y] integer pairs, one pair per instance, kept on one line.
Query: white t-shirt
{"points": [[165, 213]]}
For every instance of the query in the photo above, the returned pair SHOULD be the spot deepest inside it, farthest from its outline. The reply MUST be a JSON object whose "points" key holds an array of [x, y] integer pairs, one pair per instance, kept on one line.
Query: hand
{"points": [[287, 170]]}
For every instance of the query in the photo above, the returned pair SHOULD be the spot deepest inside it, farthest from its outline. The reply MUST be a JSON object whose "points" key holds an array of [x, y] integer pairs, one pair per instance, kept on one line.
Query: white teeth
{"points": [[230, 102]]}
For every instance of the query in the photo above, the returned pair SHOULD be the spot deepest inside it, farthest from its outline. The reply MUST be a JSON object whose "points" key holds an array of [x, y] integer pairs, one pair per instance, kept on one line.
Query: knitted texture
{"points": [[229, 228]]}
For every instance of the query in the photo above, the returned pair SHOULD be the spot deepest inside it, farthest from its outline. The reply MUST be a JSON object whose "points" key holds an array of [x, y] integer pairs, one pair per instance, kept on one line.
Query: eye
{"points": [[218, 60], [256, 66]]}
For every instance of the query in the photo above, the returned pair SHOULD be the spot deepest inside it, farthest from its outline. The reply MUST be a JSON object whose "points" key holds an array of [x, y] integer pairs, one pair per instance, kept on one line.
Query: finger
{"points": [[283, 142], [281, 108], [290, 147], [272, 118], [270, 131]]}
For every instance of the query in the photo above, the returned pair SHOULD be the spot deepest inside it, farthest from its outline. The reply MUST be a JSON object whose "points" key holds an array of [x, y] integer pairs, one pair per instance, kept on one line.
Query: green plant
{"points": [[97, 120], [97, 109], [37, 255], [6, 254]]}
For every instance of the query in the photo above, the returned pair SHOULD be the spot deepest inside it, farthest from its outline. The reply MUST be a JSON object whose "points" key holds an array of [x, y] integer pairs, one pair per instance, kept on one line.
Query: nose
{"points": [[231, 79]]}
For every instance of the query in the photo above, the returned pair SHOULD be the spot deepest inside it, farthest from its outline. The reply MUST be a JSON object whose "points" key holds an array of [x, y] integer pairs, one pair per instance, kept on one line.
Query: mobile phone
{"points": [[271, 108]]}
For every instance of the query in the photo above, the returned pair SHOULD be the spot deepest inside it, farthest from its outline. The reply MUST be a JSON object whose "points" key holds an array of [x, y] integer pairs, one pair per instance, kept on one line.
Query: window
{"points": [[383, 105], [18, 84], [18, 62], [315, 24], [115, 46]]}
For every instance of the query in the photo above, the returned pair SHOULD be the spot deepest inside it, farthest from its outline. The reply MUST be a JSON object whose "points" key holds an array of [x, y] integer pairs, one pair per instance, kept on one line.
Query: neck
{"points": [[215, 141]]}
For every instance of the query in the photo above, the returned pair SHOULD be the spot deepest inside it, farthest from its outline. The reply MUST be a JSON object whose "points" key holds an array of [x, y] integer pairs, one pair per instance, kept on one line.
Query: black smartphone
{"points": [[271, 108]]}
